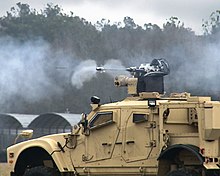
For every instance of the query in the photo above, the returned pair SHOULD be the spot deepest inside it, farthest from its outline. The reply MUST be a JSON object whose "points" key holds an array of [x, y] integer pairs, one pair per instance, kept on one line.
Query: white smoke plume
{"points": [[86, 70], [23, 70], [198, 71], [115, 68]]}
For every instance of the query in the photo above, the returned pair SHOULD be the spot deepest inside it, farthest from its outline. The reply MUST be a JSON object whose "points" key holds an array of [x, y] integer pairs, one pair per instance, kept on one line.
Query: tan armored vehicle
{"points": [[145, 134]]}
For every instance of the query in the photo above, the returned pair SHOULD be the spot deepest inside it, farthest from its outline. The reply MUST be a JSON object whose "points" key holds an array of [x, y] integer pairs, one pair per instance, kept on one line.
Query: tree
{"points": [[52, 10], [212, 26], [72, 39], [173, 24], [129, 23]]}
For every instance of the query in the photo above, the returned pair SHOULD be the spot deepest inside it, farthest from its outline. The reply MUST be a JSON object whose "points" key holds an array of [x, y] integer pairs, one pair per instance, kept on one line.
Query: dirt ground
{"points": [[3, 169]]}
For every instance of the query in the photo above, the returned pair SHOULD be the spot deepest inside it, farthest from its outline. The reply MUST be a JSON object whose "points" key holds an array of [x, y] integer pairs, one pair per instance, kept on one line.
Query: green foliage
{"points": [[80, 40], [212, 26], [129, 23], [173, 22]]}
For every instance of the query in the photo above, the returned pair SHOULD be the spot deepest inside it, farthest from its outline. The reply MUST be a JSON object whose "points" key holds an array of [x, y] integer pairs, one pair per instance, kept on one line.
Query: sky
{"points": [[191, 12]]}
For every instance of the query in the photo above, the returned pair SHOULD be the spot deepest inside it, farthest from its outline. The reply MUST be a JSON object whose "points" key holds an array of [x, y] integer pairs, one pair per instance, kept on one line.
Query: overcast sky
{"points": [[191, 12]]}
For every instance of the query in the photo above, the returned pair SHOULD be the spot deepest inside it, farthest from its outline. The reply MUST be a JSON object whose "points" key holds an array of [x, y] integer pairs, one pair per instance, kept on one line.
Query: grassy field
{"points": [[3, 169]]}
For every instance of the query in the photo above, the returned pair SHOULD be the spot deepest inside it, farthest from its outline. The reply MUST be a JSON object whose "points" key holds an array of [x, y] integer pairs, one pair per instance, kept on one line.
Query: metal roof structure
{"points": [[54, 120], [47, 123], [9, 122], [24, 119], [41, 121]]}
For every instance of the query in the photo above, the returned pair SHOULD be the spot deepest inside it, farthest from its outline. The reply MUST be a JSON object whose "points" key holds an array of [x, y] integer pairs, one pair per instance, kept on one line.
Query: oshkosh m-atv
{"points": [[145, 134]]}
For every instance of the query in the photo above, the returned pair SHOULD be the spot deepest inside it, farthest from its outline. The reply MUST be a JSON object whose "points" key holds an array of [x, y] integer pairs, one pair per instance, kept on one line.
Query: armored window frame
{"points": [[139, 117], [101, 119]]}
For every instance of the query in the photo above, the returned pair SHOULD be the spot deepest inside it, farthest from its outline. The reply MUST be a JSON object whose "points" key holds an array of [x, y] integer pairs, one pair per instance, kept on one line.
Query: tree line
{"points": [[71, 39]]}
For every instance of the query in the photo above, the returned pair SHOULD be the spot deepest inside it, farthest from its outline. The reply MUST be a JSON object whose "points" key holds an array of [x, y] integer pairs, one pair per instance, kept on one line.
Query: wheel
{"points": [[41, 171], [179, 173], [212, 173]]}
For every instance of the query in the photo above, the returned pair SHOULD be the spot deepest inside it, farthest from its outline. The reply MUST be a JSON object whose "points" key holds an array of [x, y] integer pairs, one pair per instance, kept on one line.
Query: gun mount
{"points": [[145, 78]]}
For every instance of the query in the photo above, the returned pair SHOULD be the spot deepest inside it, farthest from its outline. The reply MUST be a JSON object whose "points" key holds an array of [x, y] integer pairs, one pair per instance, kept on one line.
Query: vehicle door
{"points": [[138, 134], [104, 131]]}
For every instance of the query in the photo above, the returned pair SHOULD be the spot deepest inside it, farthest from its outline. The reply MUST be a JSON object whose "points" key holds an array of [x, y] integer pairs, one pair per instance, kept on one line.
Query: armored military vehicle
{"points": [[145, 134]]}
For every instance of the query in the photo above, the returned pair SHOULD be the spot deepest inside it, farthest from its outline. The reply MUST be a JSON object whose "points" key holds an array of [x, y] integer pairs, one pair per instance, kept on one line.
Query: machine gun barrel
{"points": [[103, 69], [145, 78], [158, 67], [129, 69]]}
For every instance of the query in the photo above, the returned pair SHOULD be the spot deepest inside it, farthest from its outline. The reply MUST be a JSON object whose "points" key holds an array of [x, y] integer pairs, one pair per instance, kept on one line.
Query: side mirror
{"points": [[27, 134]]}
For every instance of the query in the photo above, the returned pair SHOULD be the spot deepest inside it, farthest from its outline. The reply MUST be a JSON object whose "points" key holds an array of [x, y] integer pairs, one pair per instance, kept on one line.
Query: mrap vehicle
{"points": [[145, 134]]}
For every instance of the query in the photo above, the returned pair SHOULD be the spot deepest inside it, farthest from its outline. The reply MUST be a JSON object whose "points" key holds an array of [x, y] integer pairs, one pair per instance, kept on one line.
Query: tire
{"points": [[41, 171], [212, 173], [178, 173]]}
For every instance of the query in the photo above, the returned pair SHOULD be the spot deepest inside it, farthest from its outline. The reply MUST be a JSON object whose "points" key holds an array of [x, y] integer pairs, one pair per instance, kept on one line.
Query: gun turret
{"points": [[145, 78], [158, 67]]}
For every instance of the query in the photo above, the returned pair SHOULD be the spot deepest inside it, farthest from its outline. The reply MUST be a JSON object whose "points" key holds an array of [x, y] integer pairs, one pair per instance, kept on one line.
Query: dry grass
{"points": [[3, 169]]}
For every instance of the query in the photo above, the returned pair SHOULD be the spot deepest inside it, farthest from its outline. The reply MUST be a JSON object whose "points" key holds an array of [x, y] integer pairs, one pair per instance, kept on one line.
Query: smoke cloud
{"points": [[24, 70], [195, 70], [86, 71], [28, 71]]}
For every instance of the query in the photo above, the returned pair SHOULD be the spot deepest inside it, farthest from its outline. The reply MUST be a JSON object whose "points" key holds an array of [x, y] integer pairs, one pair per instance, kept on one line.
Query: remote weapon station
{"points": [[145, 134]]}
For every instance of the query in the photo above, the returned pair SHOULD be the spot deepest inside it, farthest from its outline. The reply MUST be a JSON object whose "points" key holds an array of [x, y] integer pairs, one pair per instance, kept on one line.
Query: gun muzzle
{"points": [[131, 69], [101, 69]]}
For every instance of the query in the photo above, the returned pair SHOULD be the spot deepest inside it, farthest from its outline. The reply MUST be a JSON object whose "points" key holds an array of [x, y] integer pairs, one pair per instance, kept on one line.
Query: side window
{"points": [[137, 118], [101, 119]]}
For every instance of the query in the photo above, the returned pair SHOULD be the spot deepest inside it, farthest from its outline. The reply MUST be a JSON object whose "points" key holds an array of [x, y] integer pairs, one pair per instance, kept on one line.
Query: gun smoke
{"points": [[28, 72], [198, 72], [24, 71], [86, 70]]}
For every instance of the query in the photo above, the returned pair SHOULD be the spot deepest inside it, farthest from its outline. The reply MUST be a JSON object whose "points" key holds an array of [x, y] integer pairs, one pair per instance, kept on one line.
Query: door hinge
{"points": [[151, 144], [151, 125]]}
